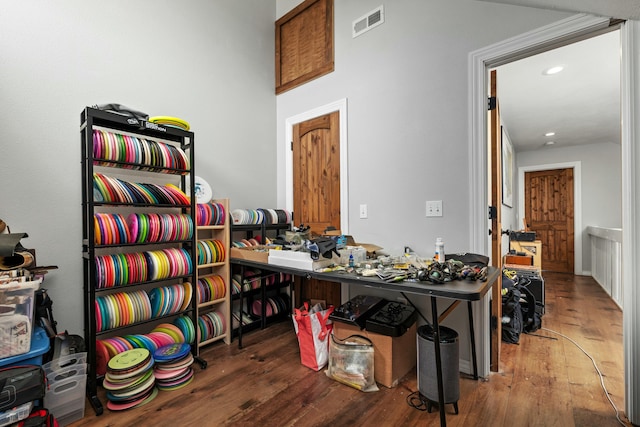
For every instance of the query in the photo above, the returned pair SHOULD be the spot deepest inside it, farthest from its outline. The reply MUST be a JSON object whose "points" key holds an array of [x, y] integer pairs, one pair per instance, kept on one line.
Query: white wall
{"points": [[210, 62], [408, 113], [406, 87], [601, 166]]}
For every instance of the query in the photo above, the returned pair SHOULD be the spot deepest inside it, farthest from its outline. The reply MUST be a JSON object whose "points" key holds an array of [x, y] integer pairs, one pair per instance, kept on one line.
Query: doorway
{"points": [[576, 168], [316, 172], [341, 107], [314, 123], [553, 118], [549, 212], [316, 192], [560, 33]]}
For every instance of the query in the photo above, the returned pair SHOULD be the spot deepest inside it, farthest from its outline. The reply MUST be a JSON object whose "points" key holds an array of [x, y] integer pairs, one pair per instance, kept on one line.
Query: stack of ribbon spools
{"points": [[173, 366], [129, 380]]}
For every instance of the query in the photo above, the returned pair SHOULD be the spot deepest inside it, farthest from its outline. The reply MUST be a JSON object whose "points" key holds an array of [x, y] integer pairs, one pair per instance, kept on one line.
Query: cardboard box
{"points": [[393, 356], [258, 253], [301, 260], [369, 247], [533, 249]]}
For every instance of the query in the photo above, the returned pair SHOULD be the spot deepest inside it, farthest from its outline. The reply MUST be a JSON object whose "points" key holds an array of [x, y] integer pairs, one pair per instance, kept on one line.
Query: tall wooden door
{"points": [[549, 212], [495, 156], [316, 189]]}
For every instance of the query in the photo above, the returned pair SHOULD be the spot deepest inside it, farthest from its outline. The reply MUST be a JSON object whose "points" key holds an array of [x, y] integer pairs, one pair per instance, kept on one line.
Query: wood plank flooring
{"points": [[545, 380]]}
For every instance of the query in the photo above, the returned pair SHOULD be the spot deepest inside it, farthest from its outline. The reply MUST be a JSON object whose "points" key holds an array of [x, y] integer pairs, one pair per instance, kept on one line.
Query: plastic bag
{"points": [[351, 362], [313, 328]]}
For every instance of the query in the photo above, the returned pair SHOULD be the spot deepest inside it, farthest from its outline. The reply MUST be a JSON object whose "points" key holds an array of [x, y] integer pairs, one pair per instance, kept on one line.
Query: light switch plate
{"points": [[363, 212]]}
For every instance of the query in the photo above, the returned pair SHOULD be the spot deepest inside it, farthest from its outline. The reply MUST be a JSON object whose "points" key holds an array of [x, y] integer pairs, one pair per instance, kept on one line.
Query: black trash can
{"points": [[427, 375]]}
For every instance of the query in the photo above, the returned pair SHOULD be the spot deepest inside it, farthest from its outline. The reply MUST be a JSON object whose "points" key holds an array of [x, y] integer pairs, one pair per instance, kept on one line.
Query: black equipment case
{"points": [[21, 384]]}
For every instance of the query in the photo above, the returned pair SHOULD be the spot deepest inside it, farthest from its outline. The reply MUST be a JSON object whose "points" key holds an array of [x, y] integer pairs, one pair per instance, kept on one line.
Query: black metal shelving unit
{"points": [[271, 285], [264, 290], [90, 119]]}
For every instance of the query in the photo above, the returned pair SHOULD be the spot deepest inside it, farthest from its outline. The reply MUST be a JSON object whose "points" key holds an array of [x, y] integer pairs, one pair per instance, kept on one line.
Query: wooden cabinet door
{"points": [[549, 212]]}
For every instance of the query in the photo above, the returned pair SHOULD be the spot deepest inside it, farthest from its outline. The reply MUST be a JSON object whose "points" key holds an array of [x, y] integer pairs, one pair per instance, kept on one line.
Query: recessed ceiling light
{"points": [[549, 134], [553, 70], [549, 143]]}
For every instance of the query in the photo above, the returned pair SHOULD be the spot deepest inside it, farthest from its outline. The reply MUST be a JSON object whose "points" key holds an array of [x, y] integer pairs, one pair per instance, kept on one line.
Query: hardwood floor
{"points": [[545, 380]]}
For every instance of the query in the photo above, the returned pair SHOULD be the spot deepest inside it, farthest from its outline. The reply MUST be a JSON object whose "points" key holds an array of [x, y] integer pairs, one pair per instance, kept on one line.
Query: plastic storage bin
{"points": [[63, 374], [65, 399], [16, 414], [64, 363], [67, 377], [39, 346], [16, 317]]}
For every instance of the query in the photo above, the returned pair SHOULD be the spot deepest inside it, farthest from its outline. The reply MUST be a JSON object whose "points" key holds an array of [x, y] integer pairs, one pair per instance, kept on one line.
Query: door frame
{"points": [[341, 107], [577, 204], [479, 64], [537, 41]]}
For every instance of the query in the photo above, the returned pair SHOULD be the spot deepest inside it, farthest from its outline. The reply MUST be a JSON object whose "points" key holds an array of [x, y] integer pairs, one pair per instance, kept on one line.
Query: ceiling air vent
{"points": [[368, 21]]}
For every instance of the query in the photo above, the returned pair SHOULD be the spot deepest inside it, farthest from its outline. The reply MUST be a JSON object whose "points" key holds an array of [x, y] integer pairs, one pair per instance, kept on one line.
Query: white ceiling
{"points": [[582, 103]]}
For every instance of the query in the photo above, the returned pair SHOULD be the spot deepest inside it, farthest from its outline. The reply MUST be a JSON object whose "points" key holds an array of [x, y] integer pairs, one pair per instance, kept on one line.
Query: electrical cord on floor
{"points": [[606, 393], [416, 401]]}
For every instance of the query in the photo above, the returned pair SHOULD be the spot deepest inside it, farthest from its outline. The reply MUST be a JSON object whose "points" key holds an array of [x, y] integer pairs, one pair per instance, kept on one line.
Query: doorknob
{"points": [[503, 232]]}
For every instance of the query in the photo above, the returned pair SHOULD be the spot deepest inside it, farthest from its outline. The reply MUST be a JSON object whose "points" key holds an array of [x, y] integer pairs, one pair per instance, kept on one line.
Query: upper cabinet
{"points": [[304, 44]]}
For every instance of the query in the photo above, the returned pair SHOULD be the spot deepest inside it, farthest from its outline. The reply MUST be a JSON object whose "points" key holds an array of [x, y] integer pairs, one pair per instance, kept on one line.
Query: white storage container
{"points": [[16, 317], [66, 373], [65, 399], [301, 260], [65, 362]]}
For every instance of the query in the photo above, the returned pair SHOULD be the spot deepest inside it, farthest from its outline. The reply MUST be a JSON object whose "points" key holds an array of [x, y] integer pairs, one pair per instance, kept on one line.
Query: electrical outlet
{"points": [[434, 207], [363, 212]]}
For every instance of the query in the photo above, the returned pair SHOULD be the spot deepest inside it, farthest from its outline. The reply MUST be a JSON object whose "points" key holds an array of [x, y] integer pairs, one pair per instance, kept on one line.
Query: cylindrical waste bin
{"points": [[427, 374]]}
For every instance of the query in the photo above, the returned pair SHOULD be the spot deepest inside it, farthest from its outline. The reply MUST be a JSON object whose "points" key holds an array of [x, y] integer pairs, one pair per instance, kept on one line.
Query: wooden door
{"points": [[316, 173], [549, 211], [316, 189], [496, 222]]}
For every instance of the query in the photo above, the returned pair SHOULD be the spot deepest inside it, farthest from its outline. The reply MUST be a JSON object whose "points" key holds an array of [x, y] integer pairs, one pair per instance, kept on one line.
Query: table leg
{"points": [[472, 334], [241, 304], [436, 341]]}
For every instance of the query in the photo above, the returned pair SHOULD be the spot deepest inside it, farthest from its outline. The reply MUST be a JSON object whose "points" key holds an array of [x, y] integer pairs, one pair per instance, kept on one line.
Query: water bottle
{"points": [[351, 261], [439, 250]]}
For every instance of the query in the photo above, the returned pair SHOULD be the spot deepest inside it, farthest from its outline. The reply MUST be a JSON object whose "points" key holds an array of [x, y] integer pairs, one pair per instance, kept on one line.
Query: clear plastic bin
{"points": [[16, 317], [16, 414], [66, 373], [65, 399], [39, 346], [358, 252], [65, 362]]}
